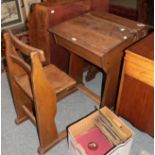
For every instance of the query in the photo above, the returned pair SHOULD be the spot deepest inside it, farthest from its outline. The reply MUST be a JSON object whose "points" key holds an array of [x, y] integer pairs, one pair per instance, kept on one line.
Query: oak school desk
{"points": [[100, 39]]}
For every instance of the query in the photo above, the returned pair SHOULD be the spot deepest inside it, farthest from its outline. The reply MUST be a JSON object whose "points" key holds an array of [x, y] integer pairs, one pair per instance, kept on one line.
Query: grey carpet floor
{"points": [[23, 140]]}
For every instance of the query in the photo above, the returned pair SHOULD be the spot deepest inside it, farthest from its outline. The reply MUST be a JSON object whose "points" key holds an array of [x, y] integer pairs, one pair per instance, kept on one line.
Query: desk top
{"points": [[93, 33]]}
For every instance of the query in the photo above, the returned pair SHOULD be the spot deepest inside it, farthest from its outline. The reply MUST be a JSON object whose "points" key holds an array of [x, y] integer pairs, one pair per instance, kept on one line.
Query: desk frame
{"points": [[110, 64]]}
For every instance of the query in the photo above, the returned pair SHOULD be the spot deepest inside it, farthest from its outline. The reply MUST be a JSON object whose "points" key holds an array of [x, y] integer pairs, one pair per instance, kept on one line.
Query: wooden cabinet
{"points": [[136, 94]]}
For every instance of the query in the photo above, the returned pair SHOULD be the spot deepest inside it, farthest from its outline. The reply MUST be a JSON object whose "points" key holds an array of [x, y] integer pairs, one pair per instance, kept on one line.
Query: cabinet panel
{"points": [[136, 93], [137, 104]]}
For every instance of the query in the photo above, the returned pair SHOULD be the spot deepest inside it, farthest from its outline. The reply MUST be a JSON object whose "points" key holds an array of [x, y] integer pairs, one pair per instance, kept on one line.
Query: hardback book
{"points": [[94, 142]]}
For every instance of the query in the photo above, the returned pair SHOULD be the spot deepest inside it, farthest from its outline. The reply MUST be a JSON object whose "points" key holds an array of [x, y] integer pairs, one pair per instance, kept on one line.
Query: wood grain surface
{"points": [[99, 38], [99, 35], [136, 93]]}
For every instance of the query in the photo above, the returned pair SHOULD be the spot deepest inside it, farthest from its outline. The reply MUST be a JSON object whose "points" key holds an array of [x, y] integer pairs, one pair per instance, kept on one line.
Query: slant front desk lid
{"points": [[95, 33]]}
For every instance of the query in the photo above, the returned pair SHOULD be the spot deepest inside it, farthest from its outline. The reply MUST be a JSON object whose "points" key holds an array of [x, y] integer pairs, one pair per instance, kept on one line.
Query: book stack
{"points": [[110, 129]]}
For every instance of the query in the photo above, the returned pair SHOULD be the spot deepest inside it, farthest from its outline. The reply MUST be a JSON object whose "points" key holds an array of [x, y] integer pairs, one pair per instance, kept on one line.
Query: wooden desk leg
{"points": [[111, 85], [111, 66], [76, 67]]}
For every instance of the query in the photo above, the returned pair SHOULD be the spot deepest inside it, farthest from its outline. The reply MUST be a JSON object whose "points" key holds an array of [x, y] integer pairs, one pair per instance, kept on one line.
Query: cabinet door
{"points": [[136, 104]]}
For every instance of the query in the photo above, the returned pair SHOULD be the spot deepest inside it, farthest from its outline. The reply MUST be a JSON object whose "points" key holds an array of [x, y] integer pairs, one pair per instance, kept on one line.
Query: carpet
{"points": [[23, 139]]}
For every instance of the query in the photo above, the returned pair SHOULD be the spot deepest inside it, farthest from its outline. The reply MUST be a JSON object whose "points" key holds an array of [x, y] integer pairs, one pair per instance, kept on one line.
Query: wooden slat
{"points": [[90, 94], [29, 114], [22, 63], [24, 83], [26, 49]]}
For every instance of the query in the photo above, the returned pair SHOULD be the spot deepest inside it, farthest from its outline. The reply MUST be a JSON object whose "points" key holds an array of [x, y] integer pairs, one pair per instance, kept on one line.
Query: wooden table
{"points": [[99, 39]]}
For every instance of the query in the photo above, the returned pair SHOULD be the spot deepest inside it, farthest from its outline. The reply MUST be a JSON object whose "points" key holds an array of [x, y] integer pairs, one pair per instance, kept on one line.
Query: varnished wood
{"points": [[135, 104], [35, 89], [111, 65], [99, 39], [19, 96], [61, 136], [52, 73], [44, 96], [140, 68], [58, 79], [24, 48], [146, 50], [76, 71], [19, 61], [99, 36], [136, 93], [132, 25], [24, 83], [78, 50], [29, 114]]}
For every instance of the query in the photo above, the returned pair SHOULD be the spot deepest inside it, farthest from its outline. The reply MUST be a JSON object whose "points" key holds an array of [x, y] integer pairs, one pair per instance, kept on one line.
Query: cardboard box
{"points": [[88, 123]]}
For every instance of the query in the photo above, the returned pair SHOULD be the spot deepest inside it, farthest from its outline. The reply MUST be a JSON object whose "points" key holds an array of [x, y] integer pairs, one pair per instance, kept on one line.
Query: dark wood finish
{"points": [[48, 14], [98, 38], [138, 107], [145, 11], [35, 89], [147, 48], [136, 94], [76, 71], [123, 11], [130, 24]]}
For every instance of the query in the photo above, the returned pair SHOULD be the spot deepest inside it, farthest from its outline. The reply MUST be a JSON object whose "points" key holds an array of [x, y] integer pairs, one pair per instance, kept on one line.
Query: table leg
{"points": [[110, 89], [111, 64], [76, 67]]}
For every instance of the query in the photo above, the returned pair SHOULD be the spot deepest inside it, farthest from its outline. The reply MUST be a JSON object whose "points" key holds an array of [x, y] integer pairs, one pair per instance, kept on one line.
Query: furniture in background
{"points": [[145, 11], [127, 8], [99, 38], [36, 89], [138, 10], [136, 94], [46, 15]]}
